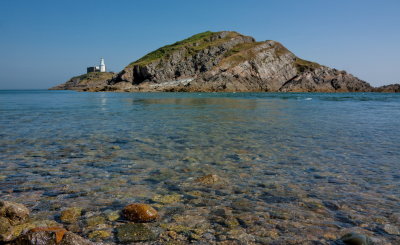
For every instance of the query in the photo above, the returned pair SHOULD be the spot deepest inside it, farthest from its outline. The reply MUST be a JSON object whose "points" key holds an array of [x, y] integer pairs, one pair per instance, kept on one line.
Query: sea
{"points": [[305, 166]]}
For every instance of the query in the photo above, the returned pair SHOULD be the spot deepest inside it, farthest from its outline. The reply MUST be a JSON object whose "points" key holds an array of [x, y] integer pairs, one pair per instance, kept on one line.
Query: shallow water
{"points": [[302, 165]]}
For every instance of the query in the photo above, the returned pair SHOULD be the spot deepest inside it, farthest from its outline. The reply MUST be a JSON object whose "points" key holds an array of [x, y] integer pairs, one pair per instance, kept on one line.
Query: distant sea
{"points": [[278, 153]]}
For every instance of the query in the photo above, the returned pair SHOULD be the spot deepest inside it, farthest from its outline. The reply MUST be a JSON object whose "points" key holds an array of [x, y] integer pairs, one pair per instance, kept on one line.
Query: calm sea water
{"points": [[279, 153]]}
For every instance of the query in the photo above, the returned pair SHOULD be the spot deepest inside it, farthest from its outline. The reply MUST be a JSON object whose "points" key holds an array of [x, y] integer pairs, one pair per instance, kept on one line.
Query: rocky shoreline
{"points": [[140, 223], [222, 62]]}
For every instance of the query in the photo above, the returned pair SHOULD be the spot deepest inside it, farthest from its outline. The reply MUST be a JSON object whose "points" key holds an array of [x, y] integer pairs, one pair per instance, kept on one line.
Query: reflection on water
{"points": [[313, 162]]}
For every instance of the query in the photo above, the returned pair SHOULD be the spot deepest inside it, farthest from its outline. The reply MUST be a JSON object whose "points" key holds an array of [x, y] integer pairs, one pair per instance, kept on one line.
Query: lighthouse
{"points": [[101, 68], [102, 65]]}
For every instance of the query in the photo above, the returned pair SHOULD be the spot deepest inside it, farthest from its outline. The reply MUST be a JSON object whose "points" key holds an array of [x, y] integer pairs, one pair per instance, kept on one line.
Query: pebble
{"points": [[95, 221], [167, 199], [208, 179], [112, 215], [139, 212], [99, 234], [71, 215], [391, 229]]}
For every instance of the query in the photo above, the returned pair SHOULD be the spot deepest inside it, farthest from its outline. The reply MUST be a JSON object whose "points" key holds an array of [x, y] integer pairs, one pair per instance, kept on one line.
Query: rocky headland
{"points": [[223, 62]]}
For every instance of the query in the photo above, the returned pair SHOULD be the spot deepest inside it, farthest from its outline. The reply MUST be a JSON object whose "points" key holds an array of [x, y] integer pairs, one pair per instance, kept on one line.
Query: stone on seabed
{"points": [[356, 239], [95, 221], [99, 234], [134, 233], [16, 213], [112, 215], [139, 212], [391, 229], [71, 215], [167, 199], [208, 179]]}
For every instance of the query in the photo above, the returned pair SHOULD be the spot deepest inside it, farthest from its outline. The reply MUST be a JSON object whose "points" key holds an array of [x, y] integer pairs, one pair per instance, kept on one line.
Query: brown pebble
{"points": [[139, 212], [208, 179]]}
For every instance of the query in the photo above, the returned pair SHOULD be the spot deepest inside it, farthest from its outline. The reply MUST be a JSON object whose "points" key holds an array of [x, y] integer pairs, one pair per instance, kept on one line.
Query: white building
{"points": [[102, 65], [101, 68]]}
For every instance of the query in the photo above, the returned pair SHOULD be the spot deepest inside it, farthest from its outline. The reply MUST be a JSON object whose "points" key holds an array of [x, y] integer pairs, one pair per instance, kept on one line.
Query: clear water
{"points": [[330, 162]]}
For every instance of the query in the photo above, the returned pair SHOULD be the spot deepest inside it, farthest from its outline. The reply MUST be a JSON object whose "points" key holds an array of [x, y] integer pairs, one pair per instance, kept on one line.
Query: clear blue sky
{"points": [[43, 43]]}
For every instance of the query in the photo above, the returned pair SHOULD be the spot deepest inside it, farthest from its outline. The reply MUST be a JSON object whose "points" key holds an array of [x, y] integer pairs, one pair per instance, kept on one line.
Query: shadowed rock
{"points": [[356, 239]]}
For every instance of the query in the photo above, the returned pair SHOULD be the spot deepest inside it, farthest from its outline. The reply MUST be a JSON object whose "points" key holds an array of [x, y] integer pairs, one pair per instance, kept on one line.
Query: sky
{"points": [[44, 43]]}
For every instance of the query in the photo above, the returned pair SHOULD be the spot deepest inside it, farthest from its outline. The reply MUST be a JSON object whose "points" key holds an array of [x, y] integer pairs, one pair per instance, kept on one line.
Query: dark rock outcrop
{"points": [[226, 62], [392, 88]]}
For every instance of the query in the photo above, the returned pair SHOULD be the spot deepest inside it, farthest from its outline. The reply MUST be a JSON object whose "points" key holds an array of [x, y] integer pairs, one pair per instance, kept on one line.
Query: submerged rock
{"points": [[71, 215], [139, 212], [95, 221], [391, 229], [356, 239], [167, 199], [6, 230], [209, 179], [73, 239], [10, 232], [99, 234], [16, 213], [134, 233], [50, 236], [13, 218], [112, 215]]}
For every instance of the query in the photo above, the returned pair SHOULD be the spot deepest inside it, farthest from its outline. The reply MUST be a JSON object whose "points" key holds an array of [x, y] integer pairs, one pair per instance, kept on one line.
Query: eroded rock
{"points": [[16, 213]]}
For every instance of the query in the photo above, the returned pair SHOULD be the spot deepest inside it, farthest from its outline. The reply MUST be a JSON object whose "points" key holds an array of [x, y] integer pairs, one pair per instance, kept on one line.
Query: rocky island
{"points": [[223, 61]]}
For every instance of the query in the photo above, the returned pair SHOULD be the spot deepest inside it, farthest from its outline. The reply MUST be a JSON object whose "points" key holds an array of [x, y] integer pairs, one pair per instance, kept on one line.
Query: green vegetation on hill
{"points": [[241, 52], [241, 47], [92, 77], [244, 51], [95, 76], [305, 65], [192, 45]]}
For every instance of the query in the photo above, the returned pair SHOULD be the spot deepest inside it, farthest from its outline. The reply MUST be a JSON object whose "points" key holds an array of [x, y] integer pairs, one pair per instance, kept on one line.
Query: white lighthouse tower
{"points": [[102, 65]]}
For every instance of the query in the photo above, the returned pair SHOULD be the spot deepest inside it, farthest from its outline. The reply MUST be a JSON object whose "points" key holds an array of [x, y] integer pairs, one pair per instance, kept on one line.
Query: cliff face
{"points": [[184, 59], [224, 61]]}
